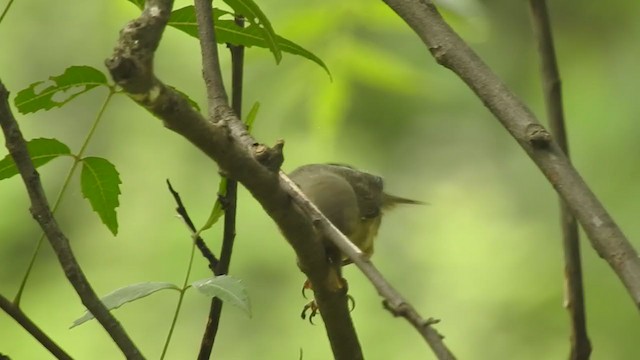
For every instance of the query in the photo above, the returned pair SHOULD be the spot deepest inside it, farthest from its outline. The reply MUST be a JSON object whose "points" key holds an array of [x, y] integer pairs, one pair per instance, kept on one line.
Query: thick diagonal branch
{"points": [[452, 52], [225, 139]]}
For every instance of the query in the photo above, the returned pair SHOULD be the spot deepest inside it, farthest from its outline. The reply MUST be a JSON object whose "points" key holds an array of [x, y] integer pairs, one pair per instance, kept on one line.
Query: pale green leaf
{"points": [[125, 295], [227, 289]]}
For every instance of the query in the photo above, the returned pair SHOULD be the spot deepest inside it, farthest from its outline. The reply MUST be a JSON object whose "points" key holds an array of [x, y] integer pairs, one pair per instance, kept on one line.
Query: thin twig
{"points": [[230, 206], [574, 294], [33, 329], [200, 244], [41, 212], [453, 53]]}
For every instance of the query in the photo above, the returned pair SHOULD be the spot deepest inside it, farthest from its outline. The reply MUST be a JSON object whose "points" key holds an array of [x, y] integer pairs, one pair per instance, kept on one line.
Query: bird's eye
{"points": [[379, 181]]}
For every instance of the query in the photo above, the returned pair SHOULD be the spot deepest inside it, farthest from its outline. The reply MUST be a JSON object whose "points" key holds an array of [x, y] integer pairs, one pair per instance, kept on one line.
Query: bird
{"points": [[353, 200]]}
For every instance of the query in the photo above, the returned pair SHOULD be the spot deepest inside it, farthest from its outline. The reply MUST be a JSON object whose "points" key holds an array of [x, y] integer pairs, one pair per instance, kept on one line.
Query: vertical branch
{"points": [[216, 93], [230, 205], [574, 294]]}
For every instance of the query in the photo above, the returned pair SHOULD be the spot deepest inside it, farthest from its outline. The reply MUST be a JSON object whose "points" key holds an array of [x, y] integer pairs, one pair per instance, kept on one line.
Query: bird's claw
{"points": [[313, 309], [310, 306]]}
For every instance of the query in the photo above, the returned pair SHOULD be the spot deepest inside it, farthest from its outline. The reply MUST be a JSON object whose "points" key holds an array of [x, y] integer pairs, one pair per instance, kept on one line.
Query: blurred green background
{"points": [[484, 256]]}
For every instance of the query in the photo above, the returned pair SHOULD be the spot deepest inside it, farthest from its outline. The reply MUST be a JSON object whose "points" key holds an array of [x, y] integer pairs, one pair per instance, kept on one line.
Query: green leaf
{"points": [[227, 31], [227, 289], [100, 184], [217, 210], [138, 3], [40, 150], [251, 118], [127, 294], [76, 80], [252, 13]]}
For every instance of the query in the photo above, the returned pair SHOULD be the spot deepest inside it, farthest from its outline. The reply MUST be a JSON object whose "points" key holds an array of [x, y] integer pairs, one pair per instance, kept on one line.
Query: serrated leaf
{"points": [[40, 150], [217, 211], [227, 289], [252, 13], [74, 81], [227, 31], [251, 117], [125, 295], [100, 183]]}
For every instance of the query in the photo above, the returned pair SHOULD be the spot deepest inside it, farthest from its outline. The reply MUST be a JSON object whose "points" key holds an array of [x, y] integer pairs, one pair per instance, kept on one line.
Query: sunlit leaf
{"points": [[217, 211], [40, 150], [100, 183], [251, 117], [125, 295], [227, 289], [59, 90]]}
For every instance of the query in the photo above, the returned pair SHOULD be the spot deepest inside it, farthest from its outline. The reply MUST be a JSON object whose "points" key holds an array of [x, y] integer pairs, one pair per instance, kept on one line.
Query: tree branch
{"points": [[238, 155], [216, 94], [230, 205], [33, 329], [451, 51], [574, 294], [256, 166], [41, 212]]}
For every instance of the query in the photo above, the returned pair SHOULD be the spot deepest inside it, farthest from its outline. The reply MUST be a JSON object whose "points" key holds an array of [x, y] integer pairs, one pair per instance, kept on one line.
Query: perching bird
{"points": [[354, 201]]}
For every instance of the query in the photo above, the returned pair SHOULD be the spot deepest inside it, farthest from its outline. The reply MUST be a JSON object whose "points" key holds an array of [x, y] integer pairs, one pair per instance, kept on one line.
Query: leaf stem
{"points": [[185, 286], [76, 160]]}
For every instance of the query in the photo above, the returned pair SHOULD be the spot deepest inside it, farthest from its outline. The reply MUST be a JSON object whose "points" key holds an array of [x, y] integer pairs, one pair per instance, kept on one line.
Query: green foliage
{"points": [[100, 184], [228, 289], [218, 210], [259, 22], [125, 295], [227, 31], [251, 117], [41, 151], [74, 81]]}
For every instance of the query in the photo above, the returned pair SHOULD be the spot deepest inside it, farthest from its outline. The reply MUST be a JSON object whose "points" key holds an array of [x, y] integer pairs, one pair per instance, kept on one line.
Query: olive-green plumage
{"points": [[352, 200]]}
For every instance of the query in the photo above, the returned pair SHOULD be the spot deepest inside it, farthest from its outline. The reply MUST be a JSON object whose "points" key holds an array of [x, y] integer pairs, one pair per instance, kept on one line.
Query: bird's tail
{"points": [[389, 201]]}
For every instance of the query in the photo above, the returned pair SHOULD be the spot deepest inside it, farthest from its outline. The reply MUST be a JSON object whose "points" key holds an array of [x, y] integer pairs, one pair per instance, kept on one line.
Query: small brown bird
{"points": [[354, 201]]}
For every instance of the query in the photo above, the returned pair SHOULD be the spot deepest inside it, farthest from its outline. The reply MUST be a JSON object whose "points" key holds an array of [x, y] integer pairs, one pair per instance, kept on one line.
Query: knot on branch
{"points": [[537, 136], [271, 158], [399, 309], [131, 64]]}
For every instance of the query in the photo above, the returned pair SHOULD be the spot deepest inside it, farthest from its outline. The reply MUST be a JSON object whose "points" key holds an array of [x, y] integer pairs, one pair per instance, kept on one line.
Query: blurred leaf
{"points": [[127, 294], [252, 13], [227, 31], [40, 150], [138, 3], [100, 184], [76, 80], [251, 117], [218, 209], [227, 289]]}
